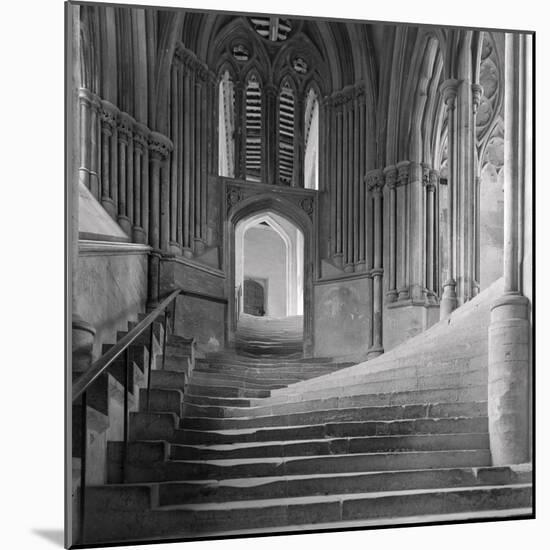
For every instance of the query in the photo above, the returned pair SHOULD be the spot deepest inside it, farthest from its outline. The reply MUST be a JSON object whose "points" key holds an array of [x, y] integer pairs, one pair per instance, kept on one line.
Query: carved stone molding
{"points": [[449, 90], [375, 180], [403, 172], [307, 206], [234, 195], [390, 173], [109, 116], [125, 127], [477, 92], [159, 146]]}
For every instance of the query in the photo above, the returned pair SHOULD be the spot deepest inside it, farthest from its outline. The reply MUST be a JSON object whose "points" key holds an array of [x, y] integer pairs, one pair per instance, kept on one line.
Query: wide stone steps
{"points": [[252, 488], [347, 445], [337, 429], [189, 520], [397, 412], [229, 408], [147, 470]]}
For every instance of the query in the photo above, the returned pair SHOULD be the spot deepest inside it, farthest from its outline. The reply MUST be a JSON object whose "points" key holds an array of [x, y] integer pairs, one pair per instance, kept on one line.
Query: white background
{"points": [[32, 213]]}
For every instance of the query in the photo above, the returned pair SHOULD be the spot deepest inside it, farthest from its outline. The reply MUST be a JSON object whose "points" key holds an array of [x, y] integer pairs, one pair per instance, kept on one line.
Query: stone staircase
{"points": [[269, 336], [248, 445]]}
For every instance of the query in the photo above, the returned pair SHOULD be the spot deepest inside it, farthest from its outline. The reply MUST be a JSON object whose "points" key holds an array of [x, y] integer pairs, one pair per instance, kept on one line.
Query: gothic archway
{"points": [[281, 205]]}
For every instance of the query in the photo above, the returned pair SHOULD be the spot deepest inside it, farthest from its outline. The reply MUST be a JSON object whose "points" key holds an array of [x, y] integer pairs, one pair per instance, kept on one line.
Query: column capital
{"points": [[375, 180], [425, 174], [403, 172], [449, 90], [141, 136], [109, 116], [159, 146], [86, 97], [390, 173], [125, 127], [434, 180]]}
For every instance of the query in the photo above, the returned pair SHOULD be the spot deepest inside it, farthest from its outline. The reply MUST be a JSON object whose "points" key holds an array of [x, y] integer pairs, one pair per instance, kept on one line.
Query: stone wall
{"points": [[198, 318], [111, 288], [342, 318]]}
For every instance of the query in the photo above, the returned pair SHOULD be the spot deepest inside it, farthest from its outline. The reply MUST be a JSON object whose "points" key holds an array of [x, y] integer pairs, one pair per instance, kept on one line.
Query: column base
{"points": [[110, 207], [391, 296], [174, 248], [403, 294], [187, 252], [125, 225], [338, 261], [138, 235], [349, 268], [199, 247], [360, 266], [509, 380], [448, 299], [375, 351]]}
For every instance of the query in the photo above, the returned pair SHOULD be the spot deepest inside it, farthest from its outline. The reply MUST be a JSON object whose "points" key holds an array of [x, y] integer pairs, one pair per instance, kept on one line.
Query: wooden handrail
{"points": [[203, 296], [98, 368]]}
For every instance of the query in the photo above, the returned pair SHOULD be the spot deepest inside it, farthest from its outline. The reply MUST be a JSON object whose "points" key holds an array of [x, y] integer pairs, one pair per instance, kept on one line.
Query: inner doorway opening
{"points": [[269, 283]]}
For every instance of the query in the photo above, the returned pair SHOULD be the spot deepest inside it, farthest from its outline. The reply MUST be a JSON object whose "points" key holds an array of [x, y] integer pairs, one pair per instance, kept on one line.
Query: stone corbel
{"points": [[477, 93]]}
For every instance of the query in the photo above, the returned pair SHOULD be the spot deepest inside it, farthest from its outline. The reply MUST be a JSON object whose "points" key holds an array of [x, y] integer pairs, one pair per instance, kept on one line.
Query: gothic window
{"points": [[226, 127], [253, 129], [311, 141], [286, 134]]}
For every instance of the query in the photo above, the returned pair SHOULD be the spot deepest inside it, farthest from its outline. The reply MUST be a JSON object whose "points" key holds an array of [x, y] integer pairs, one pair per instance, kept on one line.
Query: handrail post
{"points": [[83, 452], [164, 337], [151, 354], [126, 412]]}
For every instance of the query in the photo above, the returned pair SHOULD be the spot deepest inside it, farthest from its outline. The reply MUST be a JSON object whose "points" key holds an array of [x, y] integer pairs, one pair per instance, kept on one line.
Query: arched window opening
{"points": [[226, 127], [253, 128], [286, 134], [311, 155]]}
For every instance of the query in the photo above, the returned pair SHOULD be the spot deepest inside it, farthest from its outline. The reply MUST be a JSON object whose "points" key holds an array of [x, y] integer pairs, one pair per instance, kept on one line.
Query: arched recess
{"points": [[258, 205]]}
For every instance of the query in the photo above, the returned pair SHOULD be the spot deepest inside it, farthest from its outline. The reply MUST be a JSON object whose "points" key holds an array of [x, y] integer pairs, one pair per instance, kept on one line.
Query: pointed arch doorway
{"points": [[288, 293]]}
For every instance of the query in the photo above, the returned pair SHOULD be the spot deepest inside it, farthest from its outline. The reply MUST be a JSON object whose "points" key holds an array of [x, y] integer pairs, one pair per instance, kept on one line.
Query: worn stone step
{"points": [[337, 387], [348, 445], [173, 493], [224, 378], [153, 425], [314, 400], [226, 391], [435, 410], [337, 429], [217, 401], [199, 379], [168, 380], [292, 514], [230, 410], [161, 400], [178, 470], [265, 406], [178, 363]]}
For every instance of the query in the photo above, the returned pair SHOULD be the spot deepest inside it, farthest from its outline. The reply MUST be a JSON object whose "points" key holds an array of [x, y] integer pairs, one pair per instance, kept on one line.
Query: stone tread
{"points": [[288, 501]]}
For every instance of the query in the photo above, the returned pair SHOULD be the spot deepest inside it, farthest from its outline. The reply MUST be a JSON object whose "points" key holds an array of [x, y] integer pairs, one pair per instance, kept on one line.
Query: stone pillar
{"points": [[509, 331], [349, 183], [375, 180], [159, 148], [196, 206], [403, 230], [338, 260], [362, 184], [95, 136], [125, 125], [203, 186], [85, 103], [174, 168], [390, 174], [356, 184], [140, 146], [449, 300], [108, 115], [430, 233], [187, 165]]}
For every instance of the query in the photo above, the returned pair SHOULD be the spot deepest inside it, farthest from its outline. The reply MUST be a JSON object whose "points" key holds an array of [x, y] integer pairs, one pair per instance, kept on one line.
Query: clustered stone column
{"points": [[510, 327], [346, 146], [192, 118], [390, 173]]}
